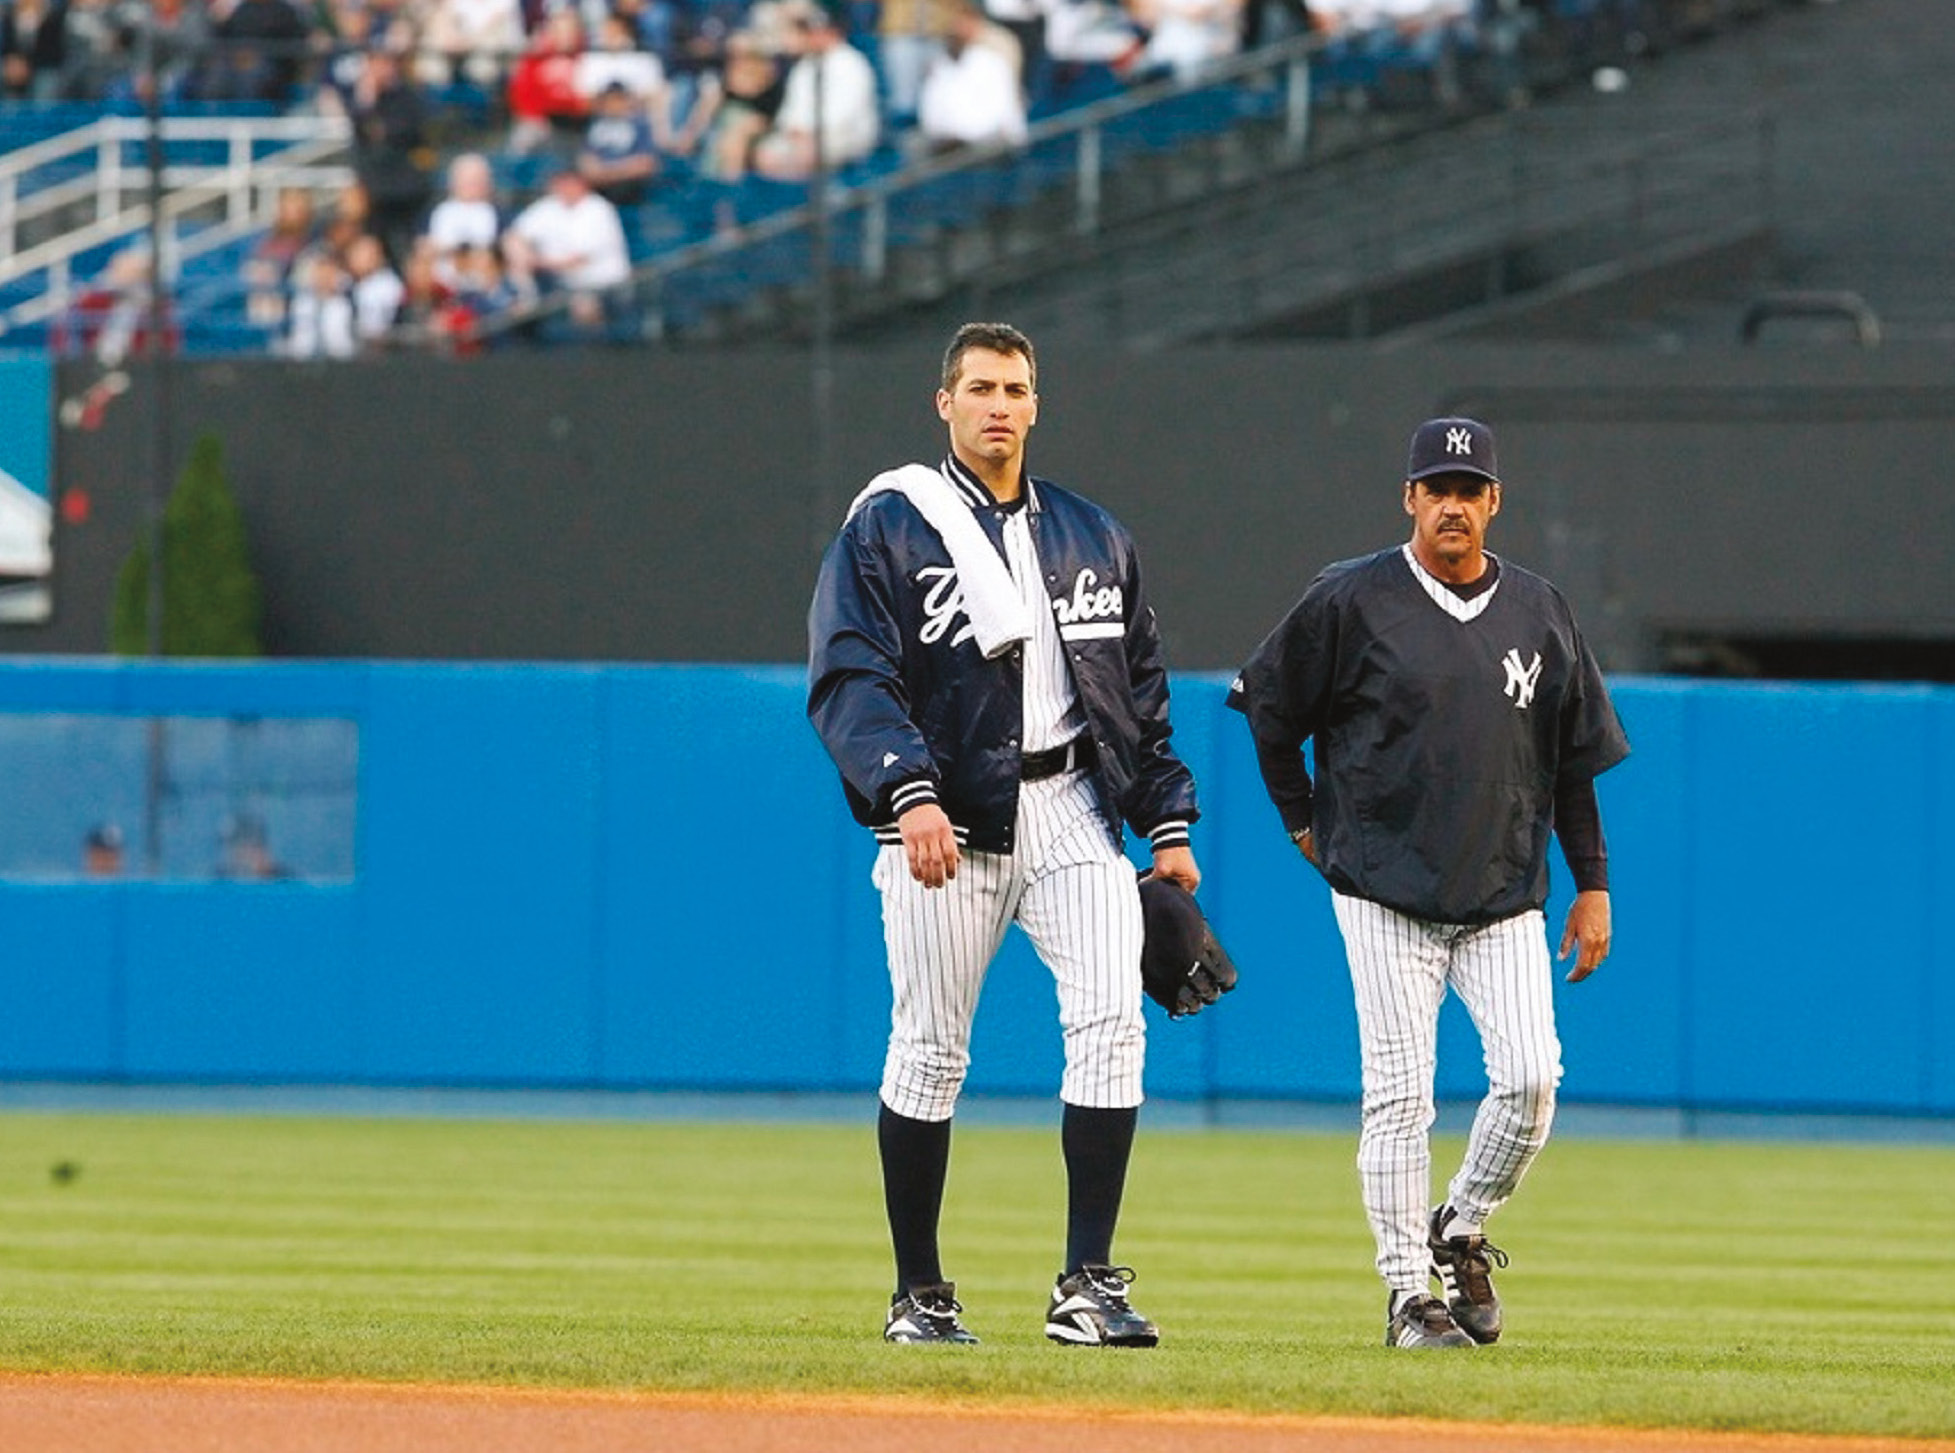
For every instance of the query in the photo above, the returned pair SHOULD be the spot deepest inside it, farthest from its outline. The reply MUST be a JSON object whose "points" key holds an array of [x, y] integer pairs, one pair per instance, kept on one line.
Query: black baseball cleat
{"points": [[1464, 1266], [926, 1314], [1423, 1322], [1090, 1309]]}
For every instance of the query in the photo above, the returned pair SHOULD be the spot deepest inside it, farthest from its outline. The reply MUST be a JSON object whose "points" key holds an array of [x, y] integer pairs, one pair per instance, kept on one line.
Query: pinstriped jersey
{"points": [[1440, 730], [1052, 713]]}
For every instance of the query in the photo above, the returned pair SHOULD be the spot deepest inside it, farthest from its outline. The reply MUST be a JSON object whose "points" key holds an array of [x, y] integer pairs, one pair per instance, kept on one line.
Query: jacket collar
{"points": [[972, 491]]}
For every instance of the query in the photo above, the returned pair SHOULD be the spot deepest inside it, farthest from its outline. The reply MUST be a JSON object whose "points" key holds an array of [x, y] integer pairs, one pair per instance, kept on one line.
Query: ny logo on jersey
{"points": [[1521, 680], [943, 602], [1459, 441]]}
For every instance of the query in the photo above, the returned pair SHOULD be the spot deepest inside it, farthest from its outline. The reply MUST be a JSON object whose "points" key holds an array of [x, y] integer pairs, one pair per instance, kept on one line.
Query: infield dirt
{"points": [[99, 1414]]}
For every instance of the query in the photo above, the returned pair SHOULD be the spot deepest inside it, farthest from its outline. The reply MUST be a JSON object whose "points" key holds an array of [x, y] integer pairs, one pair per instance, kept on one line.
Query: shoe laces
{"points": [[936, 1304], [1473, 1266], [1429, 1313], [1109, 1283]]}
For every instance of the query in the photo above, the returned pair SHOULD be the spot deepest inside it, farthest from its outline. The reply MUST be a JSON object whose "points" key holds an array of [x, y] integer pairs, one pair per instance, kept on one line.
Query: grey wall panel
{"points": [[630, 506]]}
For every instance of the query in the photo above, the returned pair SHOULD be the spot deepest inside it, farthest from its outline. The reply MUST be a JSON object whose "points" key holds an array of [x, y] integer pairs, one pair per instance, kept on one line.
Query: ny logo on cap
{"points": [[1459, 441]]}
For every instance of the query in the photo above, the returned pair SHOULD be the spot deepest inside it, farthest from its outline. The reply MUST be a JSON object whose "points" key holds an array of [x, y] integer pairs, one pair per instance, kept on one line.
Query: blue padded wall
{"points": [[633, 876]]}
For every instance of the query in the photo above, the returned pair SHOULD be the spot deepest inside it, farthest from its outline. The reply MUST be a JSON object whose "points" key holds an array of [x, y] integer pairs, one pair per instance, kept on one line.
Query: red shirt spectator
{"points": [[543, 91]]}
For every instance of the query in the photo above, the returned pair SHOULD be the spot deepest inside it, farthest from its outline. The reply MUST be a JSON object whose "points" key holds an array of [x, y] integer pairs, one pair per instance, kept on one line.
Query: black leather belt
{"points": [[1075, 756]]}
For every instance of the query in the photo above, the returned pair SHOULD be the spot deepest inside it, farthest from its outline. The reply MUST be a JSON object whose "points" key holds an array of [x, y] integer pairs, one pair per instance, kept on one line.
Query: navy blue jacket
{"points": [[906, 703]]}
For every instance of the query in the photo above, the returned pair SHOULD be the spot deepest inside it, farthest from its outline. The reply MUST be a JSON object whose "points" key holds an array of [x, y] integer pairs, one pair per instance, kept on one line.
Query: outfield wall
{"points": [[633, 877]]}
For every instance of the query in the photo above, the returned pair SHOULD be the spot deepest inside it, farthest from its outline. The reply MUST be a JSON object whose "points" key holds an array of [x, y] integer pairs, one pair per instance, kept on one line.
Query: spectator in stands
{"points": [[390, 149], [95, 56], [545, 104], [426, 303], [971, 96], [101, 851], [376, 291], [472, 41], [570, 241], [114, 319], [350, 35], [260, 48], [1186, 37], [1422, 36], [830, 113], [910, 36], [614, 59], [247, 852], [268, 269], [482, 293], [654, 25], [352, 212], [171, 36], [33, 49], [620, 157], [320, 324], [1086, 33], [1267, 22], [694, 54], [466, 217], [737, 106], [1025, 20]]}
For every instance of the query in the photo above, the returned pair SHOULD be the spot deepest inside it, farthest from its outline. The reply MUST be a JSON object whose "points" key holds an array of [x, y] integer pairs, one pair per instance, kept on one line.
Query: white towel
{"points": [[999, 617]]}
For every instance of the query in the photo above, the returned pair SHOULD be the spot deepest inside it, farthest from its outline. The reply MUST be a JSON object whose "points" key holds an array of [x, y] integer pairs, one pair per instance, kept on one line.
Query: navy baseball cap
{"points": [[1453, 446]]}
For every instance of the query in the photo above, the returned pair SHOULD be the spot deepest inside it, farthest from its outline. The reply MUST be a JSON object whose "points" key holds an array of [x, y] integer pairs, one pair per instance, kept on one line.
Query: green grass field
{"points": [[1716, 1285]]}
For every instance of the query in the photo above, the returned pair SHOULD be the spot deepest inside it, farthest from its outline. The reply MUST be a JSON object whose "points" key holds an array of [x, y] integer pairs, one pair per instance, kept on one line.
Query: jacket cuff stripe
{"points": [[1170, 834], [912, 794], [890, 835]]}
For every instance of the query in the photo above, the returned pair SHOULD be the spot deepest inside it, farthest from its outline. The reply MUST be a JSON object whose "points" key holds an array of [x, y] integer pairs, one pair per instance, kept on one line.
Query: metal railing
{"points": [[83, 190], [1526, 193]]}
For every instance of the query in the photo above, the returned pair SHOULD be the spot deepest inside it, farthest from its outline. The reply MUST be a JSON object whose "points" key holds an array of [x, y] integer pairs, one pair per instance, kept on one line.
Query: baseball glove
{"points": [[1182, 967]]}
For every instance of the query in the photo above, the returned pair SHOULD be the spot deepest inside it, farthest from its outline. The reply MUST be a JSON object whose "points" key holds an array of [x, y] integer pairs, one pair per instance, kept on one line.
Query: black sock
{"points": [[915, 1162], [1097, 1144]]}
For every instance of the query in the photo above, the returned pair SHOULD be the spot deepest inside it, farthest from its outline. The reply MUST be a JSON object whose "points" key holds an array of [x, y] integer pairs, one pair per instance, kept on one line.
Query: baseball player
{"points": [[1456, 717], [986, 673]]}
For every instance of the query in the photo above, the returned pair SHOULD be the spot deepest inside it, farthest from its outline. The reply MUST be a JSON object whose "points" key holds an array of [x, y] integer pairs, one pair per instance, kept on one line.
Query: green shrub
{"points": [[211, 599]]}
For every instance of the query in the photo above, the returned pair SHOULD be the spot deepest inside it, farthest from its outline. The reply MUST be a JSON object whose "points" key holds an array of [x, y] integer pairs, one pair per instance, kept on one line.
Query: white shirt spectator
{"points": [[376, 304], [457, 222], [1187, 35], [1016, 10], [971, 97], [1089, 32], [1366, 14], [575, 235], [467, 216], [638, 71], [851, 119], [321, 326], [490, 30]]}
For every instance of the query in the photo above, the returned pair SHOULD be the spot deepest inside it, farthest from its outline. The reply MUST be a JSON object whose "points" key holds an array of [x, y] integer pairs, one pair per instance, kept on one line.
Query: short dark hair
{"points": [[994, 338]]}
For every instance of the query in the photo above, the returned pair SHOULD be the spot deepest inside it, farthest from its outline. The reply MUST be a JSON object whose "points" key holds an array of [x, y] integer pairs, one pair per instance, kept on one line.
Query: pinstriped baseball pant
{"points": [[1073, 892], [1400, 969]]}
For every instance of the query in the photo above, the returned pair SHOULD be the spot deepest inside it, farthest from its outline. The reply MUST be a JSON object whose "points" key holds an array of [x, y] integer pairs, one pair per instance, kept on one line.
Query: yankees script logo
{"points": [[1521, 680], [943, 602], [1084, 613]]}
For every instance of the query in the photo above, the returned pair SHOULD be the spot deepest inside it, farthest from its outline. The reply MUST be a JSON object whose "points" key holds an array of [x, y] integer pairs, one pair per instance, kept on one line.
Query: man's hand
{"points": [[1178, 864], [929, 844], [1588, 926]]}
